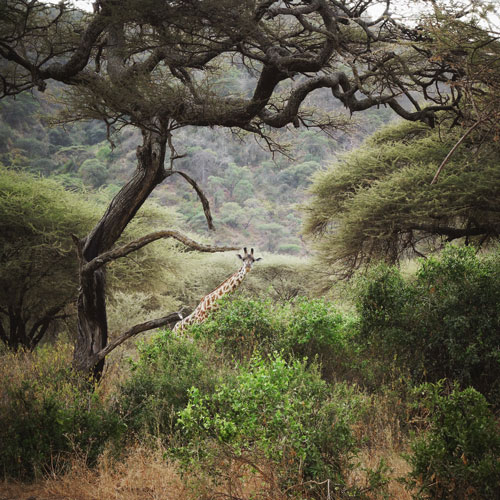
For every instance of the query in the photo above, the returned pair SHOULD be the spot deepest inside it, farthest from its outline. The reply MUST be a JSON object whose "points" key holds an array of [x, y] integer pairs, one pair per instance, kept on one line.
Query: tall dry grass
{"points": [[142, 474], [146, 474]]}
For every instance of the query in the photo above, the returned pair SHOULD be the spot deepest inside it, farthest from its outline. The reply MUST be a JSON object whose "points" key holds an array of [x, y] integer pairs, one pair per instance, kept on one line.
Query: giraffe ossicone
{"points": [[209, 302]]}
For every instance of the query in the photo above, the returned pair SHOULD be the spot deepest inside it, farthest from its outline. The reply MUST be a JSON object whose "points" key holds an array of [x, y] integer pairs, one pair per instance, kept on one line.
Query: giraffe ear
{"points": [[241, 258], [256, 260]]}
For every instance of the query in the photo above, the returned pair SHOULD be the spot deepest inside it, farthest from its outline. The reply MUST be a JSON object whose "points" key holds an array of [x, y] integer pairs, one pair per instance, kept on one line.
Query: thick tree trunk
{"points": [[92, 331]]}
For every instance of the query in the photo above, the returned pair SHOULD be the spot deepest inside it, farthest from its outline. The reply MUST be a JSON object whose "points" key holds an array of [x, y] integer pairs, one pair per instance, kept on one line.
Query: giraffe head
{"points": [[248, 259]]}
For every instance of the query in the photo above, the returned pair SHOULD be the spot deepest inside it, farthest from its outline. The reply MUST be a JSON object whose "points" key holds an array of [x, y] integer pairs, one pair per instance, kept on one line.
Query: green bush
{"points": [[281, 411], [45, 416], [158, 386], [301, 328], [240, 326], [315, 330], [458, 457], [444, 323]]}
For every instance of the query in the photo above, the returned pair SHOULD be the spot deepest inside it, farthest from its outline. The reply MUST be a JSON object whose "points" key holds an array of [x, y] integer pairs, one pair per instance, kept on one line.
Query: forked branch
{"points": [[137, 244]]}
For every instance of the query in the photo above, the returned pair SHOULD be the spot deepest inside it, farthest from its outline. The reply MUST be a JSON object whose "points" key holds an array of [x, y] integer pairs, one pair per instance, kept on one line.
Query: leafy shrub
{"points": [[442, 324], [93, 172], [45, 415], [240, 326], [458, 458], [158, 387], [284, 410], [460, 306], [315, 330], [302, 328]]}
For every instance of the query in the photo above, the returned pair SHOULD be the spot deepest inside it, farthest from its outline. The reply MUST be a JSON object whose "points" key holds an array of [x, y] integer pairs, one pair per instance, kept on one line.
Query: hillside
{"points": [[254, 195]]}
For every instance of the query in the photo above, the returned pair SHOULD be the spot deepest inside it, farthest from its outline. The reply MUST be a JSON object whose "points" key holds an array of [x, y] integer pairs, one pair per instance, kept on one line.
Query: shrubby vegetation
{"points": [[301, 328], [290, 396], [444, 323], [38, 266], [276, 411], [458, 455], [158, 389], [47, 417]]}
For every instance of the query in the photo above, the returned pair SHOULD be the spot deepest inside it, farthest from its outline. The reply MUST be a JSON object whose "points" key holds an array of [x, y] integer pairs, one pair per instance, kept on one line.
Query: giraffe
{"points": [[209, 302]]}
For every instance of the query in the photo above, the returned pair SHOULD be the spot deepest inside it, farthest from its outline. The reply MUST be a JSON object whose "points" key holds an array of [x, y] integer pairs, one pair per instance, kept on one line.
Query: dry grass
{"points": [[144, 474], [398, 467]]}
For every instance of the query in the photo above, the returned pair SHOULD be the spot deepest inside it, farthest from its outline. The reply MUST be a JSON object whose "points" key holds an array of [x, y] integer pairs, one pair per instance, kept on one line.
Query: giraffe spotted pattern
{"points": [[209, 302]]}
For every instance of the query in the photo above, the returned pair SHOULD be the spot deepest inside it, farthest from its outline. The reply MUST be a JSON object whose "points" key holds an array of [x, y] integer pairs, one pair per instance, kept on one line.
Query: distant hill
{"points": [[253, 196]]}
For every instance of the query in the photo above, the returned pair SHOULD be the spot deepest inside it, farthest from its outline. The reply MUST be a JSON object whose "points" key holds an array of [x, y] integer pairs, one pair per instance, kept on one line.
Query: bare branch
{"points": [[453, 149], [201, 196], [135, 245], [169, 319]]}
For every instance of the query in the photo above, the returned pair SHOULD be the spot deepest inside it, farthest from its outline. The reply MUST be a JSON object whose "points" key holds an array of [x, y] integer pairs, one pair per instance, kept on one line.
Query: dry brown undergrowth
{"points": [[146, 475], [142, 475]]}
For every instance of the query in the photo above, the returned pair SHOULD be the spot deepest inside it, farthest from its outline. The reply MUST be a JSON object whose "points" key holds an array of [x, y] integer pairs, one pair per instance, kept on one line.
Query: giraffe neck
{"points": [[230, 283], [208, 303]]}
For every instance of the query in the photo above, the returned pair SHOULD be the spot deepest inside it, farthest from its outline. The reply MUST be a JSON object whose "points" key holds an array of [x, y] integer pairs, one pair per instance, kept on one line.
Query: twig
{"points": [[454, 148]]}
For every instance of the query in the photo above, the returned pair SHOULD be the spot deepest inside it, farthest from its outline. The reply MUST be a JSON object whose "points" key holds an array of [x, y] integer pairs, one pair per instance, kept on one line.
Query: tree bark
{"points": [[92, 329]]}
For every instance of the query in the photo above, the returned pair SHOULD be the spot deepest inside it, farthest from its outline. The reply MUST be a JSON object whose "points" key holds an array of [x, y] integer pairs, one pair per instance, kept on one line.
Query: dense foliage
{"points": [[294, 394], [301, 328], [38, 268], [37, 258], [458, 456], [378, 203], [166, 370], [444, 323], [283, 411], [47, 417]]}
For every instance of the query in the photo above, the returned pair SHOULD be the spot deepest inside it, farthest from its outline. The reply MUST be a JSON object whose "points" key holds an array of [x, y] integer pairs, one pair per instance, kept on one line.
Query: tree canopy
{"points": [[38, 271], [410, 188], [378, 202], [141, 62]]}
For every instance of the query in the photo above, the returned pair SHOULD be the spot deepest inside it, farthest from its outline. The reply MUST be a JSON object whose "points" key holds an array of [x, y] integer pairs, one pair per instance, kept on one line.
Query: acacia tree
{"points": [[150, 64], [378, 203], [409, 189], [37, 264], [469, 40]]}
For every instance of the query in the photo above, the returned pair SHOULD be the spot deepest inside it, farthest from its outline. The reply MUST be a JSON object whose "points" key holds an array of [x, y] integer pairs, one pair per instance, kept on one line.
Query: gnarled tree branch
{"points": [[169, 319], [137, 244]]}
